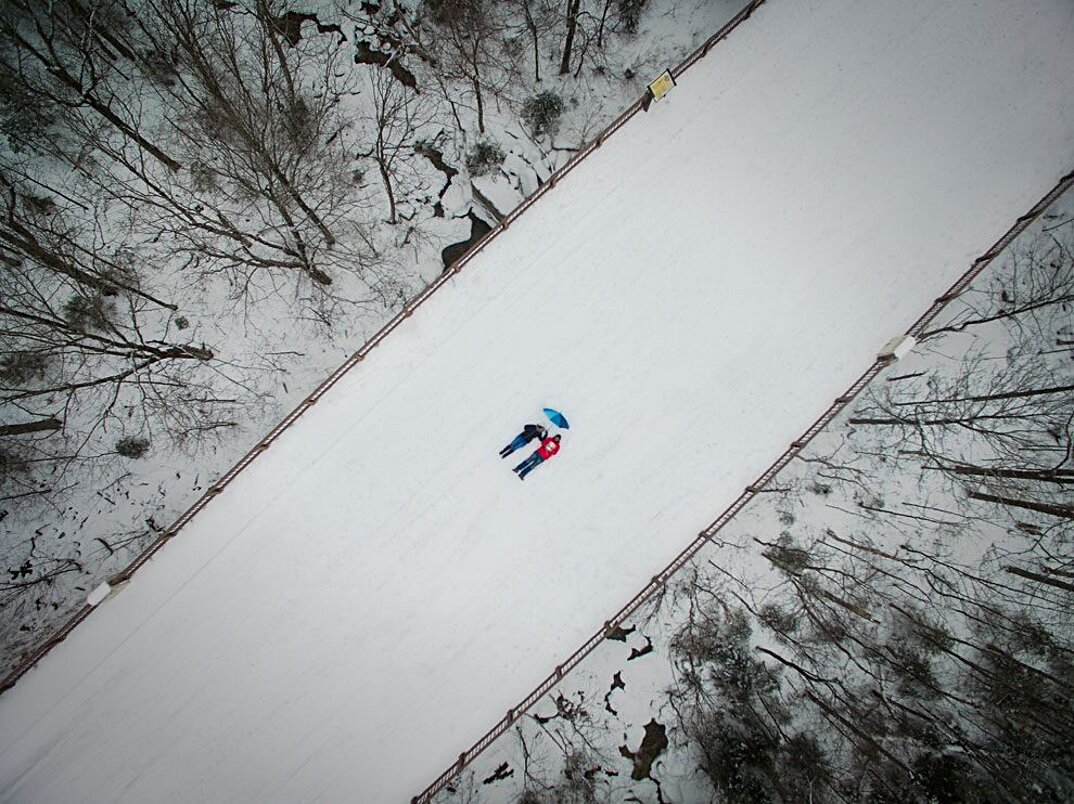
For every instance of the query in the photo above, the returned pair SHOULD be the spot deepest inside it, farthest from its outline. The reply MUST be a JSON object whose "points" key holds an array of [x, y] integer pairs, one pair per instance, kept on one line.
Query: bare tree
{"points": [[261, 125], [83, 343], [997, 421], [64, 55], [931, 642], [896, 650], [540, 19], [1034, 284], [467, 46], [398, 115], [584, 29]]}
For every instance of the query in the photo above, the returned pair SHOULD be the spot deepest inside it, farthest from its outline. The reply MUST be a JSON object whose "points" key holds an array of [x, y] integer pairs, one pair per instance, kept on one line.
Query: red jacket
{"points": [[548, 448]]}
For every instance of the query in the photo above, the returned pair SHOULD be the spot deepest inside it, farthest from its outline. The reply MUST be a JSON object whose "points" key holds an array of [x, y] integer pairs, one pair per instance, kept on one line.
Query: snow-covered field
{"points": [[379, 588]]}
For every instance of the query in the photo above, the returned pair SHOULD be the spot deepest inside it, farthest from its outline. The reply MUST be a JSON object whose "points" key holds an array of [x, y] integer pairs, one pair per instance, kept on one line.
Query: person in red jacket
{"points": [[548, 448]]}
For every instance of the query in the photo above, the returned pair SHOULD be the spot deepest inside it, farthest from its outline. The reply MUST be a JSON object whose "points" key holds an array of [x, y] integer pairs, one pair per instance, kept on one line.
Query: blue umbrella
{"points": [[557, 418]]}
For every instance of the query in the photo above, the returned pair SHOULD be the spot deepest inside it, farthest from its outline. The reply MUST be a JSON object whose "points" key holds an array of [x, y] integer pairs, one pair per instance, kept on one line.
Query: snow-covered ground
{"points": [[379, 588]]}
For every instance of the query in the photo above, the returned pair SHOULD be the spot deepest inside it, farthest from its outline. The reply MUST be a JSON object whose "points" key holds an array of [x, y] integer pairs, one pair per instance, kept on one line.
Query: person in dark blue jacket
{"points": [[529, 432]]}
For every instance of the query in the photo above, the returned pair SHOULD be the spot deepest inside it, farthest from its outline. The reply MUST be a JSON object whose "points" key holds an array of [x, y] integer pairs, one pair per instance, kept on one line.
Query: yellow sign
{"points": [[662, 85]]}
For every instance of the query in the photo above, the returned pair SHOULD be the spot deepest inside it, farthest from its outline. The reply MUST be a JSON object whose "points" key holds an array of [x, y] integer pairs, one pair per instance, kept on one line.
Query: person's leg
{"points": [[539, 460], [517, 444], [526, 463]]}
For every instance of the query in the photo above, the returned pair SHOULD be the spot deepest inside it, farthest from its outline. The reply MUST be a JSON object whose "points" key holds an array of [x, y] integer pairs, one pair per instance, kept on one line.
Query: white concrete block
{"points": [[103, 592], [898, 347], [99, 594]]}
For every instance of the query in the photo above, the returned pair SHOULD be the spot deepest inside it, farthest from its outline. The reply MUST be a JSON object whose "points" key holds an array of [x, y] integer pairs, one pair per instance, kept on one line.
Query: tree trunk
{"points": [[21, 239], [572, 24], [392, 216], [113, 41], [480, 105], [603, 19], [270, 26], [1042, 475], [1061, 511], [1033, 576], [925, 422], [531, 25], [40, 426], [1057, 389]]}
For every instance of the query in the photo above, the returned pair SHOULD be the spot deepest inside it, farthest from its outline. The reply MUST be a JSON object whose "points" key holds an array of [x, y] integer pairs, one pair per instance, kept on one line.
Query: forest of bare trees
{"points": [[920, 649]]}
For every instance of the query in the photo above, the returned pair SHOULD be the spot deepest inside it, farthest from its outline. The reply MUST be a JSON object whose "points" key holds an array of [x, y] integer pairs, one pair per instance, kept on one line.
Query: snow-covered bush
{"points": [[726, 698], [20, 366], [132, 447], [630, 13], [541, 113], [87, 312], [10, 464], [202, 177], [484, 158], [25, 116], [576, 785]]}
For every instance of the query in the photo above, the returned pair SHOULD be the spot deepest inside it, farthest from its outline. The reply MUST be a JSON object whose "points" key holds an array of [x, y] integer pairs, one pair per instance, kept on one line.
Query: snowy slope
{"points": [[379, 588]]}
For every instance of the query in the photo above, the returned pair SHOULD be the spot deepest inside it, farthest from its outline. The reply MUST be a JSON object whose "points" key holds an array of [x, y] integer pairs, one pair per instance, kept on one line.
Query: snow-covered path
{"points": [[379, 588]]}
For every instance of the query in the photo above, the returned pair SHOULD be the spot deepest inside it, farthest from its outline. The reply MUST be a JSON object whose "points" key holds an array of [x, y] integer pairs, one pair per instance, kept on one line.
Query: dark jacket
{"points": [[532, 431]]}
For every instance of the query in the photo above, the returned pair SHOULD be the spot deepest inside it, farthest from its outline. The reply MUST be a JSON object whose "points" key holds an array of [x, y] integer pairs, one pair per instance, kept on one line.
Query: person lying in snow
{"points": [[548, 448], [529, 432]]}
